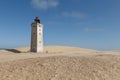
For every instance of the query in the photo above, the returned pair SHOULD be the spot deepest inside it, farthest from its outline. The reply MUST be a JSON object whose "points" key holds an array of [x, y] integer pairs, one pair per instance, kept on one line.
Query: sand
{"points": [[59, 63]]}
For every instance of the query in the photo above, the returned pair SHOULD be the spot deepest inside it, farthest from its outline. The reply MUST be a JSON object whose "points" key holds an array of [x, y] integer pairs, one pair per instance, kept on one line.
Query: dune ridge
{"points": [[52, 49]]}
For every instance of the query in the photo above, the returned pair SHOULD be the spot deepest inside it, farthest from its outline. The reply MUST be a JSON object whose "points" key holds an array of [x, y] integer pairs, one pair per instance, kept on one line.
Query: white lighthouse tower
{"points": [[37, 36]]}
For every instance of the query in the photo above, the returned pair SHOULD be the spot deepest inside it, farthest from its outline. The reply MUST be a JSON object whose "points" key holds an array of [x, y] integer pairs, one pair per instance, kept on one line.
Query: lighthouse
{"points": [[36, 36]]}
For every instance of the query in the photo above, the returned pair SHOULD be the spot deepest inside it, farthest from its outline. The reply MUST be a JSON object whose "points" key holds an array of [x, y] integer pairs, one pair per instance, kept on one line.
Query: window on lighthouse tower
{"points": [[40, 41], [39, 33]]}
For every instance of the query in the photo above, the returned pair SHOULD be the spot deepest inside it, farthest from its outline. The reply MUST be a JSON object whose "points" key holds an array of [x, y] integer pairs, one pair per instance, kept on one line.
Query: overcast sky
{"points": [[93, 24]]}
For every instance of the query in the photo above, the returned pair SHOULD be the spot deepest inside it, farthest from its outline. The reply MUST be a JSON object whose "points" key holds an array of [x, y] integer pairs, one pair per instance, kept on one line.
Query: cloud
{"points": [[73, 14], [44, 4], [93, 30]]}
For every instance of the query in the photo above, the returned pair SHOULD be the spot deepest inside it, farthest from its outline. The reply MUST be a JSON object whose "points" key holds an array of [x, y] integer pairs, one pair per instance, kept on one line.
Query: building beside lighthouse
{"points": [[36, 36]]}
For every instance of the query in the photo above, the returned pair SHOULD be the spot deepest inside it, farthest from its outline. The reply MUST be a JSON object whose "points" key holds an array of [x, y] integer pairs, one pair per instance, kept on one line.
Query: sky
{"points": [[93, 24]]}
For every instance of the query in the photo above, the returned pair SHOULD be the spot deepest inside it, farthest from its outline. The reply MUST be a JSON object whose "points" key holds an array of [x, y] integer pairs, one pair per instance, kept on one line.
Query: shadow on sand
{"points": [[13, 50]]}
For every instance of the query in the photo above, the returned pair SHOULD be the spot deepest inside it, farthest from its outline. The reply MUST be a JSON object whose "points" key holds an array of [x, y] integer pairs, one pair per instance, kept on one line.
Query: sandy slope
{"points": [[105, 67], [65, 64], [23, 53]]}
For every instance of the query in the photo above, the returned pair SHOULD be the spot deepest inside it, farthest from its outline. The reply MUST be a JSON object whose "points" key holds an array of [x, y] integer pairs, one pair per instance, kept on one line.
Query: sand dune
{"points": [[60, 49], [106, 67], [49, 49], [23, 53], [63, 63]]}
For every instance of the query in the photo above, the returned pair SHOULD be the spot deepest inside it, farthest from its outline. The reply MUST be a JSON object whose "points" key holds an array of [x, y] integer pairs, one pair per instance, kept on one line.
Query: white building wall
{"points": [[37, 38], [40, 38]]}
